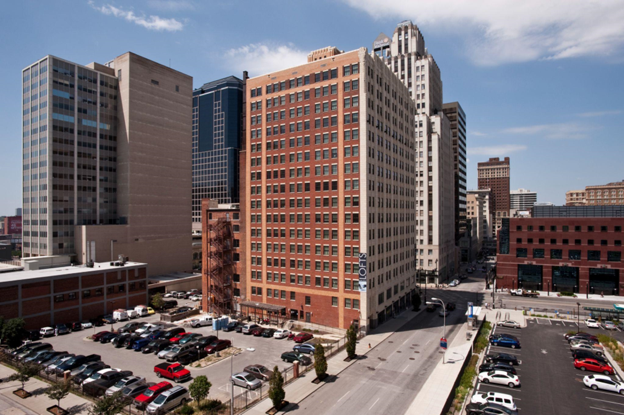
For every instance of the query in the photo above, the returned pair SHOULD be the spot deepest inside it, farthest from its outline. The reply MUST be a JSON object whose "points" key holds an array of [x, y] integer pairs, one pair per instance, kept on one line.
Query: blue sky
{"points": [[539, 83]]}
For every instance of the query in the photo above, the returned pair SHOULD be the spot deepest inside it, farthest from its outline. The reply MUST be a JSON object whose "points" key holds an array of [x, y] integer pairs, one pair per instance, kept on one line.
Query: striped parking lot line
{"points": [[603, 401], [606, 410]]}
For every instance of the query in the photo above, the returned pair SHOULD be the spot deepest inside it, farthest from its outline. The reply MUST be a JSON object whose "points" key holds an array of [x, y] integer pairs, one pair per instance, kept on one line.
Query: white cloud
{"points": [[599, 113], [553, 131], [504, 31], [172, 5], [501, 150], [263, 58], [151, 22], [477, 133]]}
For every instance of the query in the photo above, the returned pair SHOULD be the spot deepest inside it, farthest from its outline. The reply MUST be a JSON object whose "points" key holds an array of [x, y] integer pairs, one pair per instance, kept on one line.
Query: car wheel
{"points": [[486, 380], [158, 374], [606, 372], [622, 392], [511, 385], [583, 368], [513, 346], [594, 387]]}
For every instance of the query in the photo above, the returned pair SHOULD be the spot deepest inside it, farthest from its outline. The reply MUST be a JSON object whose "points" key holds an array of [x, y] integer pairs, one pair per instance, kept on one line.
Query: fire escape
{"points": [[220, 266]]}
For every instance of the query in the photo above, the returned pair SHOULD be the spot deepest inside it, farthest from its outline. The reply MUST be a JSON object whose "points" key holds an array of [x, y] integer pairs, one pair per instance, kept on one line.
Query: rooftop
{"points": [[64, 271]]}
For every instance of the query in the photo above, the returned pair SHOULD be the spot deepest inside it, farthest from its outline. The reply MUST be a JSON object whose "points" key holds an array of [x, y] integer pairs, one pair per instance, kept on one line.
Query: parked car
{"points": [[55, 361], [498, 398], [488, 409], [140, 344], [142, 310], [202, 321], [150, 311], [91, 368], [129, 343], [581, 333], [98, 374], [136, 389], [303, 337], [294, 356], [155, 346], [98, 336], [86, 325], [281, 333], [118, 342], [80, 369], [304, 348], [454, 283], [190, 338], [37, 354], [591, 339], [231, 326], [120, 315], [174, 371], [218, 345], [132, 314], [191, 355], [499, 377], [152, 392], [451, 306], [247, 328], [488, 367], [592, 324], [509, 323], [46, 332], [181, 310], [129, 327], [258, 371], [169, 304], [505, 342], [22, 348], [590, 342], [172, 355], [174, 332], [62, 329], [174, 397], [108, 319], [146, 327], [590, 348], [108, 338], [502, 358], [609, 325], [204, 341], [100, 386], [75, 362], [175, 339], [33, 350], [257, 332], [593, 366], [122, 383], [585, 354], [47, 355], [246, 380], [75, 326], [430, 308], [603, 382], [444, 312], [268, 333]]}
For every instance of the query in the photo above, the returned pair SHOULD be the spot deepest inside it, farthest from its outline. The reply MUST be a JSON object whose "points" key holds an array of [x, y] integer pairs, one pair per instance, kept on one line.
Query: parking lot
{"points": [[254, 350], [550, 384]]}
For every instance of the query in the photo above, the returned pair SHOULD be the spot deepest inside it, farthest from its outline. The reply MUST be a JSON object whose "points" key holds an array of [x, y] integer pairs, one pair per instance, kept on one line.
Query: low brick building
{"points": [[64, 295], [573, 254]]}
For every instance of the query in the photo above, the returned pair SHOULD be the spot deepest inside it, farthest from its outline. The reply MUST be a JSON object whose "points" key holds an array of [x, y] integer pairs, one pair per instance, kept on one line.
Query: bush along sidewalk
{"points": [[615, 348]]}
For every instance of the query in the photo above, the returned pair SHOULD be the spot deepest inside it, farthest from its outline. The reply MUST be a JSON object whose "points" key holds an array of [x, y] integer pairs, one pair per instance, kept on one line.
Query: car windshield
{"points": [[175, 349], [152, 343], [148, 393], [249, 378], [262, 369], [125, 390], [168, 349], [120, 383], [89, 371], [177, 369], [214, 344], [160, 399], [96, 376]]}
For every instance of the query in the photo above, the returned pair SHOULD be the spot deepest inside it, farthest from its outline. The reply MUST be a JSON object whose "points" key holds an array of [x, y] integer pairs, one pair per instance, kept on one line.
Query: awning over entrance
{"points": [[263, 306]]}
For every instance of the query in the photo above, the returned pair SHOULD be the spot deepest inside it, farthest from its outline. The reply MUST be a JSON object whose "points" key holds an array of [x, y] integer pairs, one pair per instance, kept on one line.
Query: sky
{"points": [[540, 82]]}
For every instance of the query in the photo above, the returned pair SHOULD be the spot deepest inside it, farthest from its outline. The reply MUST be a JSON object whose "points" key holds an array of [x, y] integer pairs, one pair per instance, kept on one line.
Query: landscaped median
{"points": [[614, 347]]}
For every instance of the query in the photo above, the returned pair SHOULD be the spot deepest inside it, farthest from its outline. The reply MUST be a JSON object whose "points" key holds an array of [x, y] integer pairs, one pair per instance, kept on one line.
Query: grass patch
{"points": [[465, 383], [483, 337]]}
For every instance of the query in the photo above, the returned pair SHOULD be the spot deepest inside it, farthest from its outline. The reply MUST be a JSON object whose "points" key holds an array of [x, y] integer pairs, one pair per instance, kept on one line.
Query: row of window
{"points": [[349, 184], [318, 233], [277, 294], [566, 228], [98, 292], [573, 254], [541, 241], [326, 250], [349, 284]]}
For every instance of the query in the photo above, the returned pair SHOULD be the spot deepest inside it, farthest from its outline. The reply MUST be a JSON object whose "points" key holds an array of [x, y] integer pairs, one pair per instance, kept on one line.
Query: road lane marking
{"points": [[371, 407], [601, 400], [612, 394], [342, 397], [606, 410], [404, 369]]}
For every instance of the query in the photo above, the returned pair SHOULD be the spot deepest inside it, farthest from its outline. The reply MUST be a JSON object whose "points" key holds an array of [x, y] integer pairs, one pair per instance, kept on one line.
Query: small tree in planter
{"points": [[24, 372], [276, 388], [108, 405], [200, 388], [58, 392], [351, 339], [320, 362], [157, 301]]}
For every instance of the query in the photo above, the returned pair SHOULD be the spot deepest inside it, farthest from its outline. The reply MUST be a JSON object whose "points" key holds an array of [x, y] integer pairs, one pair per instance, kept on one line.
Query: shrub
{"points": [[567, 293], [351, 340], [320, 362], [185, 410], [211, 405], [276, 388]]}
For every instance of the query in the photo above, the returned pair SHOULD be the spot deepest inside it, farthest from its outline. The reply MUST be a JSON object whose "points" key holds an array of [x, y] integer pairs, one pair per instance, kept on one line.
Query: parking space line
{"points": [[343, 396], [605, 393], [606, 410], [503, 387], [596, 399]]}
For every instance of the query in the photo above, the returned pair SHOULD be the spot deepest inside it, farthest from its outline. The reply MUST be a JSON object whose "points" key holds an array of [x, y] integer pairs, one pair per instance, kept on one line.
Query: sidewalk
{"points": [[614, 299], [38, 402], [301, 388]]}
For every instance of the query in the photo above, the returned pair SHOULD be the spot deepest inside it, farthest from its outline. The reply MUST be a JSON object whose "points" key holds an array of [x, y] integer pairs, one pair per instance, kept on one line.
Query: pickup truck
{"points": [[173, 371], [524, 293]]}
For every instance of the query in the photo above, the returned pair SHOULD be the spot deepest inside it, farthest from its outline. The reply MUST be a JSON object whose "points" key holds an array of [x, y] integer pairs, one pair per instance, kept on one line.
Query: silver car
{"points": [[168, 400], [509, 323], [172, 356], [163, 352], [52, 367], [246, 380], [122, 383]]}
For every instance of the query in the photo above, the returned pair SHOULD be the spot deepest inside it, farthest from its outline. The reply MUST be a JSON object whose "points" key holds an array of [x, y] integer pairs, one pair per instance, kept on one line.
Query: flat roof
{"points": [[64, 271]]}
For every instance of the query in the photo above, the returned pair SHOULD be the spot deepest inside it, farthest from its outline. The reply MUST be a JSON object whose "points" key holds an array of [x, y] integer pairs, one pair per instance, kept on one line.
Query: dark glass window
{"points": [[577, 229], [566, 228], [538, 253], [603, 242], [593, 255], [574, 254], [556, 254], [614, 256], [553, 228], [521, 252], [518, 228], [553, 242], [578, 242], [590, 229], [518, 240]]}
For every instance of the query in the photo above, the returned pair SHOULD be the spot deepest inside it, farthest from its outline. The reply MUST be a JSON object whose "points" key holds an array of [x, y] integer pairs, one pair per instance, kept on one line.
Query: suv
{"points": [[168, 400]]}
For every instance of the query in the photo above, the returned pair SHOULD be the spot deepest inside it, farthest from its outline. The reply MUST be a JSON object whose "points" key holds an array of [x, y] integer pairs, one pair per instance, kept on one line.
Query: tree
{"points": [[24, 372], [320, 362], [200, 388], [276, 388], [157, 301], [59, 391], [1, 327], [416, 301], [351, 339], [14, 331], [108, 405]]}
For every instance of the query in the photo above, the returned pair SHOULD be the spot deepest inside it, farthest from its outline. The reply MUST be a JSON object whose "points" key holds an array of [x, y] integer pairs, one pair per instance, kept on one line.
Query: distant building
{"points": [[18, 211], [576, 198], [478, 208], [607, 194], [494, 174], [522, 199]]}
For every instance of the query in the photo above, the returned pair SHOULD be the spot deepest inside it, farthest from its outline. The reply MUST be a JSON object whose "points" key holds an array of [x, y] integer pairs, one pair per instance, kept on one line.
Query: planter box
{"points": [[22, 393], [57, 410], [275, 410]]}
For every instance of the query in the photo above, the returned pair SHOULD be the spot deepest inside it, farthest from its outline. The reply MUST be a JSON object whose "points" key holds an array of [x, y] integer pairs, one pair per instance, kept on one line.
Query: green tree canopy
{"points": [[276, 388], [351, 340], [200, 388], [320, 362]]}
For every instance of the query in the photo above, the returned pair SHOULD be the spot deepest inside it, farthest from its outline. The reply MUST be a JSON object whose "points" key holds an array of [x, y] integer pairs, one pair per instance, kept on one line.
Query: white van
{"points": [[46, 332], [120, 315], [133, 313], [202, 321], [142, 310]]}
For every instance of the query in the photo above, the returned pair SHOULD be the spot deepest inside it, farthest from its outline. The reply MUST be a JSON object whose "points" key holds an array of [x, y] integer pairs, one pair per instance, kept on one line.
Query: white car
{"points": [[454, 283], [584, 346], [86, 325], [502, 399], [609, 325], [510, 324], [196, 297], [281, 333], [145, 327], [592, 324], [499, 377], [170, 294], [95, 376], [604, 383]]}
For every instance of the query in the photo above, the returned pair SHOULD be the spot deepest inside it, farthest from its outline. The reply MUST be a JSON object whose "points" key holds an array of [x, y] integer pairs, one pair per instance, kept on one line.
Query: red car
{"points": [[150, 394], [98, 336], [303, 337], [218, 345], [177, 338], [257, 331], [593, 365]]}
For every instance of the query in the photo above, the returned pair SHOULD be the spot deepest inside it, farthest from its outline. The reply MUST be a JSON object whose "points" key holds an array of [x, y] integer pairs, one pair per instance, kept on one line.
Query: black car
{"points": [[489, 408], [155, 346], [451, 306], [431, 308], [191, 355], [129, 342], [24, 348], [580, 334], [268, 333], [32, 335], [202, 342], [62, 329], [79, 378], [169, 304], [171, 333], [119, 341], [108, 319], [75, 362], [232, 325], [97, 322], [108, 337], [75, 326], [290, 357], [98, 387], [502, 358], [503, 335], [488, 367], [47, 356], [239, 328], [586, 354]]}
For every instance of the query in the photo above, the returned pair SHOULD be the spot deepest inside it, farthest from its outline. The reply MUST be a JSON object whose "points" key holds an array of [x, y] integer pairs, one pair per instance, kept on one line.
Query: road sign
{"points": [[443, 343]]}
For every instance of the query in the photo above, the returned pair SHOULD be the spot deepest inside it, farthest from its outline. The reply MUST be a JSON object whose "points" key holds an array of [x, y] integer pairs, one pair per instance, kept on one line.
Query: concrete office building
{"points": [[522, 199], [605, 194], [457, 117], [405, 54], [217, 129], [494, 175], [576, 198], [106, 161], [329, 203], [478, 208]]}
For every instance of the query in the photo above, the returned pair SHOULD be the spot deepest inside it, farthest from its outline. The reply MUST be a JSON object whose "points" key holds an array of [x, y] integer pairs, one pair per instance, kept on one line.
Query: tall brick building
{"points": [[330, 200], [494, 175]]}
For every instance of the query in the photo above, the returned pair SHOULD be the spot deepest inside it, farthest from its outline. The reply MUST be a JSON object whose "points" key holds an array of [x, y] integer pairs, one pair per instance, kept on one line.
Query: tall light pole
{"points": [[578, 313], [112, 242], [437, 276], [113, 303], [433, 300]]}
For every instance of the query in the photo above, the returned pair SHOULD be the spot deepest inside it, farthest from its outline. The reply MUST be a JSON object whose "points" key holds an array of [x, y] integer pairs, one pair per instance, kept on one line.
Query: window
{"points": [[614, 256], [347, 303], [307, 300], [59, 298], [593, 255], [538, 253], [556, 254], [574, 254], [334, 301], [521, 252]]}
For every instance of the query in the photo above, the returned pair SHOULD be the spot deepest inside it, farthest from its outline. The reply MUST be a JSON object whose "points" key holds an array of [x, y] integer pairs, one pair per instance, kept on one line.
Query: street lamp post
{"points": [[433, 300], [436, 274], [578, 313]]}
